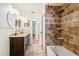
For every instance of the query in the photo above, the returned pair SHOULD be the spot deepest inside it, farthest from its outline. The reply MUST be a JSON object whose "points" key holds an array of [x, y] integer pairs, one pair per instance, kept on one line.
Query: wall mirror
{"points": [[15, 20], [12, 18]]}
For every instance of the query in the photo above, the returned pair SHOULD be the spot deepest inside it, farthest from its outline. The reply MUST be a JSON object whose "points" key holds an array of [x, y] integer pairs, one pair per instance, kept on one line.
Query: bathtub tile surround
{"points": [[70, 25], [48, 23], [52, 25], [63, 22]]}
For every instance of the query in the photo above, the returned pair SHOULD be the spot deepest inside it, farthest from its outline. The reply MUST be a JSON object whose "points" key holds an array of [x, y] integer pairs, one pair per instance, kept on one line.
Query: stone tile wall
{"points": [[70, 25]]}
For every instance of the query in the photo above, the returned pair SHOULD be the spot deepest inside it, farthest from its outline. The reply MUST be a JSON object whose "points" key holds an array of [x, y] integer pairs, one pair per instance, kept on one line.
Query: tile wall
{"points": [[65, 27], [52, 26], [70, 33]]}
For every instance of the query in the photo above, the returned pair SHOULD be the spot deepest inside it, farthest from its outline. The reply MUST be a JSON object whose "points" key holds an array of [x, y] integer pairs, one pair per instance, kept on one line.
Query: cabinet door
{"points": [[26, 42], [17, 46]]}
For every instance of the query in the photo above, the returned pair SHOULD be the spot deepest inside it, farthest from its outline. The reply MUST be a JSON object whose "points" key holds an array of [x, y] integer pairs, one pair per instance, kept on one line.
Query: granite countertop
{"points": [[19, 35]]}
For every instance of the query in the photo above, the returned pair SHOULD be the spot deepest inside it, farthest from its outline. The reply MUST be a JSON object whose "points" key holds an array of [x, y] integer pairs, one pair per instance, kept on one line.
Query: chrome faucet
{"points": [[17, 32], [22, 31]]}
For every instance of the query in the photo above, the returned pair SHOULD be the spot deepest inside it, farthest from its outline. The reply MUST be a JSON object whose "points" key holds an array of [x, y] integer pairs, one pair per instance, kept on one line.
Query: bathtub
{"points": [[59, 51]]}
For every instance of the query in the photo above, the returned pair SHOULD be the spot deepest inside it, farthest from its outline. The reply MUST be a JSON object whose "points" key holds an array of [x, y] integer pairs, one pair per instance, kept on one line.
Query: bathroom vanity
{"points": [[18, 44]]}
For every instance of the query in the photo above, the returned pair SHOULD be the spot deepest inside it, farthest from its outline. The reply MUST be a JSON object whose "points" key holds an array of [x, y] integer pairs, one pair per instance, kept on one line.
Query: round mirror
{"points": [[12, 18]]}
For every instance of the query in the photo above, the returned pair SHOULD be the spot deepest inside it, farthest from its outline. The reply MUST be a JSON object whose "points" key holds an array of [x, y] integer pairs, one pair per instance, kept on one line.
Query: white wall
{"points": [[26, 9], [4, 31]]}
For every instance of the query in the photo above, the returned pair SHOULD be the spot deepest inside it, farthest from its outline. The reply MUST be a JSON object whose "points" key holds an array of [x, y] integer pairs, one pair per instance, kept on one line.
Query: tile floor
{"points": [[35, 49]]}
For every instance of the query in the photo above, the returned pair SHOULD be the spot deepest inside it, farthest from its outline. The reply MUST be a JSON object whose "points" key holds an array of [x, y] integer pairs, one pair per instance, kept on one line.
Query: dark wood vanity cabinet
{"points": [[18, 45]]}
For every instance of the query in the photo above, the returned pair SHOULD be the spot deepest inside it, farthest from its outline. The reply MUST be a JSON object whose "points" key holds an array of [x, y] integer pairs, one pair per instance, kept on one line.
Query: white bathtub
{"points": [[59, 51]]}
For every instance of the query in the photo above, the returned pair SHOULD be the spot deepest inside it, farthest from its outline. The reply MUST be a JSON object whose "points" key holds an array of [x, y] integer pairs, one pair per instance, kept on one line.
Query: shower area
{"points": [[52, 26], [59, 39], [53, 30]]}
